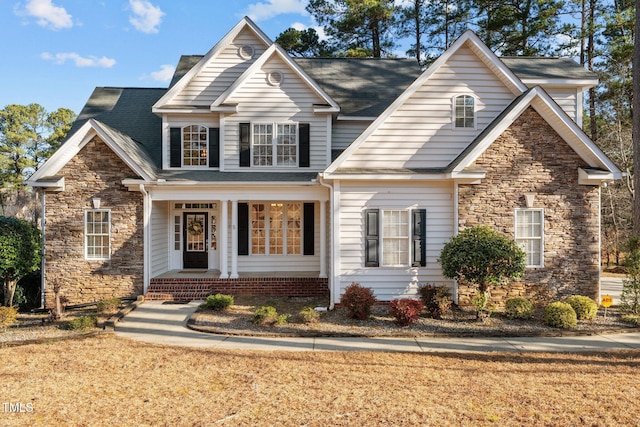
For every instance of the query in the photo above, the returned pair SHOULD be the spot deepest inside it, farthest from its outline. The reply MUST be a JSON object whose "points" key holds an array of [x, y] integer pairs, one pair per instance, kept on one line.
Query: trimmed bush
{"points": [[357, 300], [219, 302], [518, 308], [560, 315], [436, 300], [309, 315], [585, 307], [109, 305], [82, 323], [8, 316], [406, 311], [268, 316], [632, 319]]}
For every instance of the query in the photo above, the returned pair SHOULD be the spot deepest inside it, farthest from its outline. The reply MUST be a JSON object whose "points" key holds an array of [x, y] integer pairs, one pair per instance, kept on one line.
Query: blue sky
{"points": [[55, 52]]}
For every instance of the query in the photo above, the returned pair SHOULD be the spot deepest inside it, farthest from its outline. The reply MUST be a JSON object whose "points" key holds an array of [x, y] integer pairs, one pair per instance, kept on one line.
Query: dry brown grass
{"points": [[105, 380]]}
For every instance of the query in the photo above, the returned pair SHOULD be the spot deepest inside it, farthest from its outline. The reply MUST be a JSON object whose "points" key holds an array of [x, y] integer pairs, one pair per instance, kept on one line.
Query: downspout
{"points": [[43, 251], [456, 228], [145, 238], [331, 242]]}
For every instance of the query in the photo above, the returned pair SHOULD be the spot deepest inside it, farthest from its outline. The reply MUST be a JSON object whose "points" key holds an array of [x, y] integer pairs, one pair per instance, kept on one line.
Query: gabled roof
{"points": [[553, 114], [510, 80], [176, 87], [126, 148], [550, 71], [275, 50]]}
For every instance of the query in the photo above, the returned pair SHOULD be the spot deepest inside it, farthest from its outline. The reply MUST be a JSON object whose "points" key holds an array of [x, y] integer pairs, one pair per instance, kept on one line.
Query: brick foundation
{"points": [[200, 288]]}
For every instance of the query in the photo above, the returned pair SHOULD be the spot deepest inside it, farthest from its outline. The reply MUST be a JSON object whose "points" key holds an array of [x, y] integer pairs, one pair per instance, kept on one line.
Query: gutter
{"points": [[331, 240]]}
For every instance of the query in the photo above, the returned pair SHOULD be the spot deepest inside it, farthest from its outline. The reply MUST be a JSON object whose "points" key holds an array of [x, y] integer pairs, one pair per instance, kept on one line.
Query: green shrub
{"points": [[560, 315], [8, 316], [266, 316], [436, 300], [406, 311], [357, 300], [82, 323], [585, 307], [109, 305], [633, 319], [518, 308], [309, 315], [219, 302]]}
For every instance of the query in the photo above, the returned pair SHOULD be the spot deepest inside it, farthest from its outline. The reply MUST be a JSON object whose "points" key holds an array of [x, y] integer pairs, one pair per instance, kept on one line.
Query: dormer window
{"points": [[464, 111], [194, 145]]}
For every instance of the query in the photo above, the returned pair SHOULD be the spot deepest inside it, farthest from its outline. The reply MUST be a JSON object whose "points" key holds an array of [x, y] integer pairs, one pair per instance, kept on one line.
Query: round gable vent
{"points": [[275, 78], [246, 51]]}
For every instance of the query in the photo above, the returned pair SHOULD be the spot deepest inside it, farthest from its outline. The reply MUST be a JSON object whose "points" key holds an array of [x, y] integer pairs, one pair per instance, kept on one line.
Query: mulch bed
{"points": [[238, 320]]}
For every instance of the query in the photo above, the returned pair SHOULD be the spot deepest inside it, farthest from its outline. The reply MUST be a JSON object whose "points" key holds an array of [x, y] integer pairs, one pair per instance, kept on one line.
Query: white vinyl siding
{"points": [[567, 99], [290, 102], [392, 282], [529, 226], [344, 132], [420, 133], [220, 73], [160, 224]]}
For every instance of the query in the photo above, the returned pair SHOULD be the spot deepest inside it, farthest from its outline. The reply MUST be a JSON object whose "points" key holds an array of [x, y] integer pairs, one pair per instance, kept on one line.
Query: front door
{"points": [[195, 253]]}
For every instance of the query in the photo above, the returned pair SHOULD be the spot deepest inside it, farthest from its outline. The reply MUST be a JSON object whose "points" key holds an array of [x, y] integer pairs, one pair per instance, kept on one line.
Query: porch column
{"points": [[234, 239], [323, 239], [224, 239]]}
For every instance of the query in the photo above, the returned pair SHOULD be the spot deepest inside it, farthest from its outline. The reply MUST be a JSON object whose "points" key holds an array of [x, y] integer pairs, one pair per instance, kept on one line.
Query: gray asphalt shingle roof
{"points": [[362, 87]]}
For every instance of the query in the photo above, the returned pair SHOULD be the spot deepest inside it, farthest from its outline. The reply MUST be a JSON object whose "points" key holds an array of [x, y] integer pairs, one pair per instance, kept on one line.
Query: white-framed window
{"points": [[97, 232], [529, 226], [276, 228], [395, 237], [464, 111], [275, 144], [195, 145]]}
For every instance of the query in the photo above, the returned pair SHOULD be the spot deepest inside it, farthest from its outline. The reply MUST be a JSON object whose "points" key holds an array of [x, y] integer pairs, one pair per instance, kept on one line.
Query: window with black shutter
{"points": [[175, 147], [419, 237], [309, 232], [371, 238], [214, 147], [243, 229]]}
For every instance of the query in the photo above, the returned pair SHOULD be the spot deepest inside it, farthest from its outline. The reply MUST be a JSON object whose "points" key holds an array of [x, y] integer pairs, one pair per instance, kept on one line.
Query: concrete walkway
{"points": [[159, 323]]}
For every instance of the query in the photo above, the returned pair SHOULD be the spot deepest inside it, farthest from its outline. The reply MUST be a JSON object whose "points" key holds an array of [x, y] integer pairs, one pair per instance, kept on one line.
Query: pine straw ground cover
{"points": [[105, 380], [238, 320]]}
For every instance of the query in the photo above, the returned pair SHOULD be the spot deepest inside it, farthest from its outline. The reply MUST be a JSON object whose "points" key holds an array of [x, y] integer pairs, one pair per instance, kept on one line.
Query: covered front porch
{"points": [[198, 284]]}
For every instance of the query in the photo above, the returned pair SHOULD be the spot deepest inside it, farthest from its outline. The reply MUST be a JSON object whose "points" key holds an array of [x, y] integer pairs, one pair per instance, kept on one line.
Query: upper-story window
{"points": [[195, 143], [275, 144], [464, 111]]}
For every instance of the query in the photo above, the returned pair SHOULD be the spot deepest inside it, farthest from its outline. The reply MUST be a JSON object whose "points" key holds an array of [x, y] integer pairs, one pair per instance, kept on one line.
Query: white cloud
{"points": [[79, 61], [146, 17], [48, 15], [271, 8], [319, 30], [164, 74]]}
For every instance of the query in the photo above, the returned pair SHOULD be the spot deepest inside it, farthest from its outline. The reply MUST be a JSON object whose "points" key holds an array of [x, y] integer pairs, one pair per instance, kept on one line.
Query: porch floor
{"points": [[198, 284]]}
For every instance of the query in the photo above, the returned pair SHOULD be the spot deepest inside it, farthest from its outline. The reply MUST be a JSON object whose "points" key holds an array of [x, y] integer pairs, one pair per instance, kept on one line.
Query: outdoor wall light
{"points": [[96, 202]]}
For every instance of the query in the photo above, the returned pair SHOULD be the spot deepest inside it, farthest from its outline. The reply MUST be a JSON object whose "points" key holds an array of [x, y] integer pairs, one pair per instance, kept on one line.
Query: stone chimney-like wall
{"points": [[530, 157], [96, 171]]}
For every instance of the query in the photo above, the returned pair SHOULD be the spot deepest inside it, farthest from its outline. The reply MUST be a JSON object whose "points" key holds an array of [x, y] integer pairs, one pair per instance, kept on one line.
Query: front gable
{"points": [[217, 70], [417, 130]]}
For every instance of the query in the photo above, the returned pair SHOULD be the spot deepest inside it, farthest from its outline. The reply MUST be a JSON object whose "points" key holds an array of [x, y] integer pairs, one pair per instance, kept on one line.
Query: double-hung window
{"points": [[275, 144], [529, 226], [395, 237], [464, 111], [195, 143], [97, 232]]}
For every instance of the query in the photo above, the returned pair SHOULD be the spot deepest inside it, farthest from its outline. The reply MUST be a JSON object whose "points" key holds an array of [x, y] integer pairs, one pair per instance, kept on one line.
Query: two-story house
{"points": [[256, 172]]}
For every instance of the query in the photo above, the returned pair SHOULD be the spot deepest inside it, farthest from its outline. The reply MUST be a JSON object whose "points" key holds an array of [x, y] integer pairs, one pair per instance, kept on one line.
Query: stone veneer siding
{"points": [[530, 157], [96, 171]]}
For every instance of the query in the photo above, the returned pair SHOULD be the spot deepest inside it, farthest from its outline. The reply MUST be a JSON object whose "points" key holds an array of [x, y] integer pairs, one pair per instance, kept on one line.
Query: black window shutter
{"points": [[175, 147], [419, 237], [214, 147], [245, 144], [243, 229], [303, 144], [308, 222], [371, 238]]}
